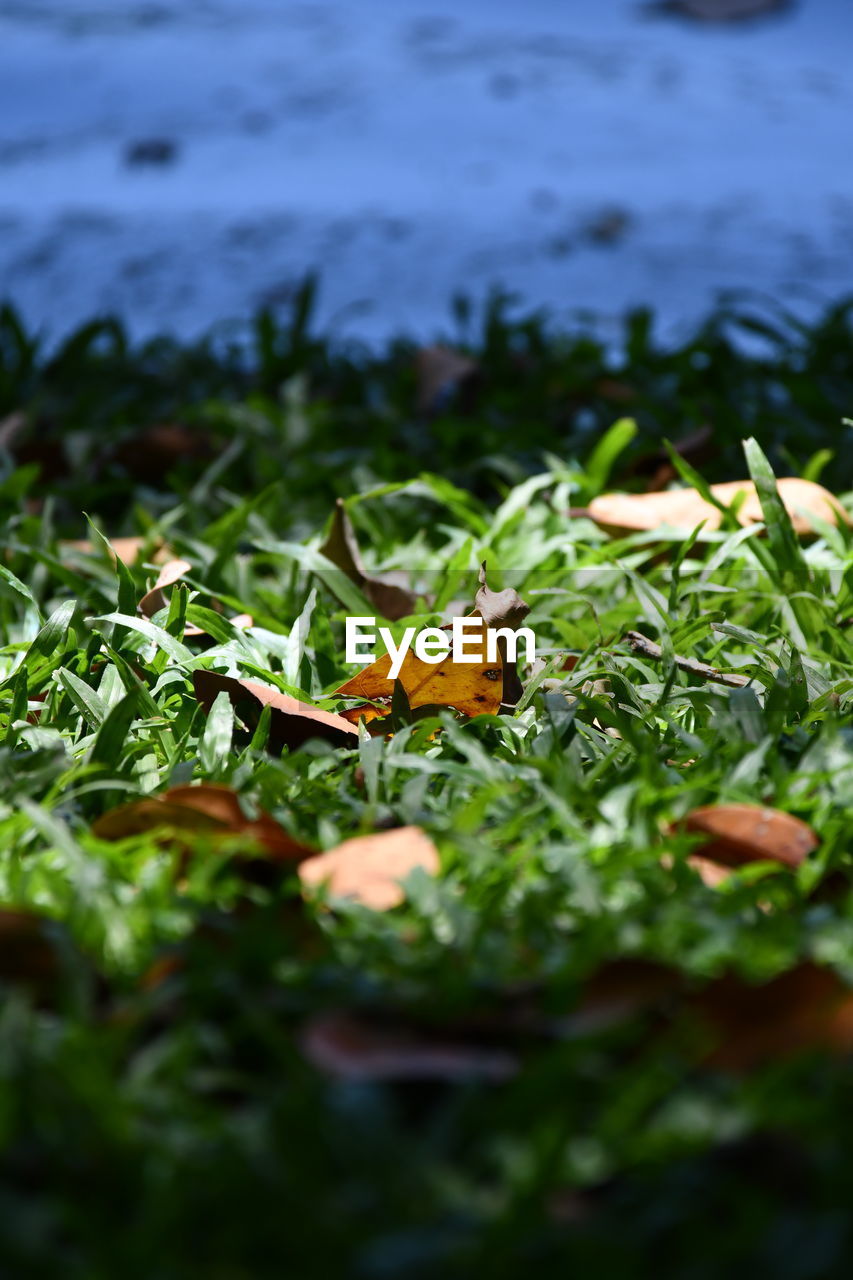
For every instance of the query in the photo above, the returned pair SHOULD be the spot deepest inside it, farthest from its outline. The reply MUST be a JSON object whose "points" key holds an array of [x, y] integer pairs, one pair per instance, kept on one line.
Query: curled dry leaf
{"points": [[208, 808], [293, 723], [738, 833], [154, 600], [442, 374], [352, 1047], [369, 869], [386, 592], [686, 508], [502, 609]]}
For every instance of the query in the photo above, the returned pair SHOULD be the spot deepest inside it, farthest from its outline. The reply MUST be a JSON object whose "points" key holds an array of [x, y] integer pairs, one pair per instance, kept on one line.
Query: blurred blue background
{"points": [[181, 164]]}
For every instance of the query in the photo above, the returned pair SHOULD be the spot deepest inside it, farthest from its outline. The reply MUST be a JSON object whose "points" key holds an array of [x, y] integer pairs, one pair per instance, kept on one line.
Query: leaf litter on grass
{"points": [[616, 1006]]}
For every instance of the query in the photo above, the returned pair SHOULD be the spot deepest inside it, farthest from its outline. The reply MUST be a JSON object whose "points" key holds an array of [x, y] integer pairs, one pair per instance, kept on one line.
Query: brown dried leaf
{"points": [[442, 374], [31, 952], [502, 609], [293, 723], [369, 868], [352, 1047], [739, 833], [807, 1008], [686, 508], [223, 805], [389, 596], [207, 808]]}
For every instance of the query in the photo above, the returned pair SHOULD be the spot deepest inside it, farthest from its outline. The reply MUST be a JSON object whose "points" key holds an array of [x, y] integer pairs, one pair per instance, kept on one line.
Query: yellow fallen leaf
{"points": [[471, 688]]}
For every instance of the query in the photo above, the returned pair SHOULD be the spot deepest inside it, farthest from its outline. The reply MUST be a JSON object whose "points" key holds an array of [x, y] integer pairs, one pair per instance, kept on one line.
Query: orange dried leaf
{"points": [[369, 868], [365, 712], [739, 833], [293, 723]]}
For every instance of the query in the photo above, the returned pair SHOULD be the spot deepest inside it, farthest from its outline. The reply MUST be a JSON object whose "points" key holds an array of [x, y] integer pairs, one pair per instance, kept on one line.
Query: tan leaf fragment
{"points": [[684, 509], [156, 599], [369, 869], [127, 550], [170, 573]]}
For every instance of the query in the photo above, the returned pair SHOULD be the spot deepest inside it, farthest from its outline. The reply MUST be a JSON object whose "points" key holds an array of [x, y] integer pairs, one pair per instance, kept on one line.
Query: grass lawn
{"points": [[565, 1043]]}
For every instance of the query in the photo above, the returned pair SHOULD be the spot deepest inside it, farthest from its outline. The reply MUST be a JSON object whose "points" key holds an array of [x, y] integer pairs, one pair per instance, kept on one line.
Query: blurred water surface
{"points": [[181, 164]]}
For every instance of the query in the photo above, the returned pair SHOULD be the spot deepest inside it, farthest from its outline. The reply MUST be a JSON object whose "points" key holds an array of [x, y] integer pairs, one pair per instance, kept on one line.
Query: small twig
{"points": [[641, 644]]}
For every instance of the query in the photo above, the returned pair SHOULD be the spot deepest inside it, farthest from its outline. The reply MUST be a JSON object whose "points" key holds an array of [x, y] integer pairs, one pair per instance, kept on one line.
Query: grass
{"points": [[160, 1114]]}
